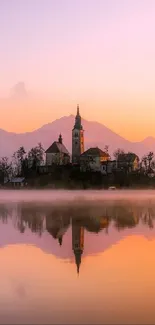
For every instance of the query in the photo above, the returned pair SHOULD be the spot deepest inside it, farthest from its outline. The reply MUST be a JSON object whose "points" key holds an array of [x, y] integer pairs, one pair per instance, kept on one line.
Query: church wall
{"points": [[52, 158], [57, 158], [77, 145], [90, 163]]}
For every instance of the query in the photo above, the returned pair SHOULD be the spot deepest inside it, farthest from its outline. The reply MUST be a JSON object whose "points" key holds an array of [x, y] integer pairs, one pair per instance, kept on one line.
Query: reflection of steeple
{"points": [[60, 240], [78, 259], [77, 242]]}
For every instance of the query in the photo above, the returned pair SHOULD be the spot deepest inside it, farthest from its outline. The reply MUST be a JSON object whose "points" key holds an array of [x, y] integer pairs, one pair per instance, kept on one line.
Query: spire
{"points": [[60, 240], [78, 260], [60, 138], [77, 124], [78, 113]]}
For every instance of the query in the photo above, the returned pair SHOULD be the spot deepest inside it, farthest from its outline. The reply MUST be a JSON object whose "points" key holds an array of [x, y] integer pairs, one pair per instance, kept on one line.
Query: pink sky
{"points": [[98, 53]]}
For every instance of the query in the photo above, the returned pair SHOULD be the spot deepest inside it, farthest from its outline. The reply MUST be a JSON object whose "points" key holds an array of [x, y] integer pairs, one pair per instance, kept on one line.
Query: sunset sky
{"points": [[98, 53]]}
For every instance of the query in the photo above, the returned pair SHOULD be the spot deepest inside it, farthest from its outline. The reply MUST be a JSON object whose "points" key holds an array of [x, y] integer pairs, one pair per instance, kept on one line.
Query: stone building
{"points": [[128, 161], [57, 153], [77, 139], [92, 159]]}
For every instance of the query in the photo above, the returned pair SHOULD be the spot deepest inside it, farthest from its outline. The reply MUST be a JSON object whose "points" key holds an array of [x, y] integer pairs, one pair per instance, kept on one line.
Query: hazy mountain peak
{"points": [[149, 139], [96, 134]]}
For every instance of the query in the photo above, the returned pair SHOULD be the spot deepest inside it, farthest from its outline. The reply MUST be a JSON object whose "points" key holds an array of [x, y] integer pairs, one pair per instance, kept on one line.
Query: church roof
{"points": [[95, 152], [78, 124], [57, 147]]}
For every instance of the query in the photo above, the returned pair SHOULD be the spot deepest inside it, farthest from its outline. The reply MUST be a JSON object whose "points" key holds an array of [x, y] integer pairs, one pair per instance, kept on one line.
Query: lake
{"points": [[77, 257]]}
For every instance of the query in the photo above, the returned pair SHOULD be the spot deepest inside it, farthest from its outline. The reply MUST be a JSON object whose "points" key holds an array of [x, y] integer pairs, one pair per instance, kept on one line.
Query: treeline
{"points": [[22, 161], [26, 164], [146, 164]]}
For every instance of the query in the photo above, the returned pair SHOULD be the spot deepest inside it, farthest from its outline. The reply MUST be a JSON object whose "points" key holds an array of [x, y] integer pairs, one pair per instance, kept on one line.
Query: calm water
{"points": [[77, 257]]}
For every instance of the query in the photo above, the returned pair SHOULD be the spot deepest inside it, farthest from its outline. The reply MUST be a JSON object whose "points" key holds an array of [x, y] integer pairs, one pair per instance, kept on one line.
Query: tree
{"points": [[36, 155], [144, 161], [6, 167], [106, 149], [150, 157], [153, 164], [118, 152], [18, 158], [148, 161]]}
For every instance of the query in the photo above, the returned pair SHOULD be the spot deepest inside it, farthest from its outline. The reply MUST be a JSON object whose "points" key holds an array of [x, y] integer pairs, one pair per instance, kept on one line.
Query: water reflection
{"points": [[102, 219], [77, 263]]}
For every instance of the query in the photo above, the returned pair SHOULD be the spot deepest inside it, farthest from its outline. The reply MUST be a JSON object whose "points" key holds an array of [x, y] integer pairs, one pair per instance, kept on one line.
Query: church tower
{"points": [[77, 139], [77, 242]]}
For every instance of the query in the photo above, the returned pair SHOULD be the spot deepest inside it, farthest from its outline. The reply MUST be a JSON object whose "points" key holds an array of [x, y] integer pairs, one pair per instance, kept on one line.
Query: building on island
{"points": [[92, 159], [17, 182], [77, 139], [129, 161], [57, 153]]}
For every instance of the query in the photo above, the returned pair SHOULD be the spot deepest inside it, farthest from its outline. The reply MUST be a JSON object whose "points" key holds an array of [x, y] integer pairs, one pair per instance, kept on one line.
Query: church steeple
{"points": [[77, 138], [60, 138], [78, 113], [78, 124]]}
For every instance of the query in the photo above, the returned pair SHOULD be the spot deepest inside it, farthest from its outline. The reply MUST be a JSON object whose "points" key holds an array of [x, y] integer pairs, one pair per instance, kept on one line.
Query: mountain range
{"points": [[93, 244], [96, 134]]}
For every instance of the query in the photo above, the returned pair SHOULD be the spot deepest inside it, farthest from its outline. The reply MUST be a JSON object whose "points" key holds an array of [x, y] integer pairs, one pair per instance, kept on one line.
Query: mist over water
{"points": [[62, 196], [77, 257]]}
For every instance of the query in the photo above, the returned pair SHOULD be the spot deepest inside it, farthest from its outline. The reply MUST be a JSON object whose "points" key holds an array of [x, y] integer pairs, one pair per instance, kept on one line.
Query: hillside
{"points": [[96, 134]]}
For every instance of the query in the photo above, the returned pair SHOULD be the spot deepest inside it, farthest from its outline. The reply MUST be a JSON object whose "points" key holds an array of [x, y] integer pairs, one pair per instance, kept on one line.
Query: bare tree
{"points": [[106, 148], [36, 155], [6, 167], [148, 161], [18, 158], [118, 152]]}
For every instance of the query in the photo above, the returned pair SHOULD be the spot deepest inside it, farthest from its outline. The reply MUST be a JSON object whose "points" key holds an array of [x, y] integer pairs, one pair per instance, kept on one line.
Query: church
{"points": [[58, 154], [77, 139]]}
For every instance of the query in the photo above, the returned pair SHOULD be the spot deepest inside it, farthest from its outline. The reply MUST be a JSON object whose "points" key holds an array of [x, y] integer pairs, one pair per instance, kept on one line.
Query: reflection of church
{"points": [[57, 225], [56, 220], [77, 241]]}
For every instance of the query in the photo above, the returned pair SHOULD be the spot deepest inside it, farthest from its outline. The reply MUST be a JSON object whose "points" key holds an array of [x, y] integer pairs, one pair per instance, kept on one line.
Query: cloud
{"points": [[19, 91]]}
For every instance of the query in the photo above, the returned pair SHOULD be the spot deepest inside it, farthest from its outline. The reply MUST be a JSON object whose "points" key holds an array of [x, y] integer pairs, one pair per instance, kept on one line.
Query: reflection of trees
{"points": [[124, 217], [148, 217], [93, 218], [30, 217], [5, 212]]}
